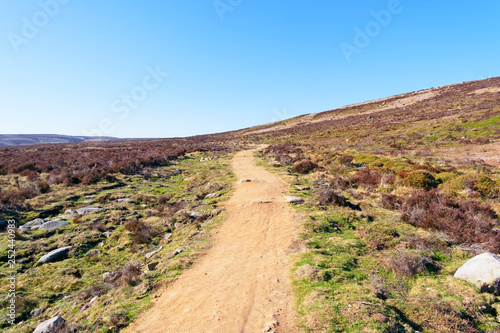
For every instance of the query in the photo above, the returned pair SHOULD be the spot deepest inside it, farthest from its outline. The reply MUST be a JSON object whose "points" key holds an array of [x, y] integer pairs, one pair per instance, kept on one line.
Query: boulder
{"points": [[70, 212], [54, 255], [294, 200], [196, 215], [37, 312], [93, 253], [53, 225], [52, 325], [124, 200], [483, 271], [302, 187], [152, 266], [87, 210], [32, 225]]}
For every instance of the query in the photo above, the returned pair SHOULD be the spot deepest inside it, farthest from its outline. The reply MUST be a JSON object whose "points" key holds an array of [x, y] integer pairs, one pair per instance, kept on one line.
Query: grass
{"points": [[367, 271], [59, 287]]}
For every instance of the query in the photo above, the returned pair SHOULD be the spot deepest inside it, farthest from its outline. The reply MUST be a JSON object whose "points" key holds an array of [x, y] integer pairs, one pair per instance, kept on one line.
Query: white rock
{"points": [[55, 254], [52, 325], [483, 271], [294, 200]]}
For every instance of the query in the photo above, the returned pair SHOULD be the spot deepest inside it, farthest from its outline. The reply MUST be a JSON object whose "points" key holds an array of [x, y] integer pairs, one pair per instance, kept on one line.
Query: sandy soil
{"points": [[242, 283]]}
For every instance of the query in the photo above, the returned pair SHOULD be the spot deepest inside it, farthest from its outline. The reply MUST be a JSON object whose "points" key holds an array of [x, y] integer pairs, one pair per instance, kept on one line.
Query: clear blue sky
{"points": [[85, 67]]}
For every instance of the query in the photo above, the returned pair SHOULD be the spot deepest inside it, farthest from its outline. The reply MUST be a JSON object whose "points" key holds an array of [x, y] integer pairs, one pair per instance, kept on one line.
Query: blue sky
{"points": [[177, 68]]}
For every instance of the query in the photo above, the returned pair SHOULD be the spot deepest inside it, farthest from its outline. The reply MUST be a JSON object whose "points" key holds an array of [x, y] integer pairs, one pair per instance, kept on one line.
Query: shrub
{"points": [[346, 159], [130, 273], [420, 180], [162, 199], [327, 196], [366, 178], [467, 221], [391, 201], [142, 232], [408, 263], [487, 187], [304, 167]]}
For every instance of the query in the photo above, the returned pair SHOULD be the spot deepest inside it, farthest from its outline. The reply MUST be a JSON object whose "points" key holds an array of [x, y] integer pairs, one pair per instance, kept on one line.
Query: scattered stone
{"points": [[275, 163], [483, 271], [177, 172], [88, 201], [152, 266], [107, 234], [270, 326], [178, 225], [36, 312], [212, 195], [28, 226], [124, 200], [85, 307], [54, 255], [167, 236], [53, 225], [251, 180], [150, 254], [93, 253], [294, 200], [178, 251], [87, 210], [93, 299], [52, 325], [302, 187], [70, 211], [190, 179], [144, 205], [196, 214]]}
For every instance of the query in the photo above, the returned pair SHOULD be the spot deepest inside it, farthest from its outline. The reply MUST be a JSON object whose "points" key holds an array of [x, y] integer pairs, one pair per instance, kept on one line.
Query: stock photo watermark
{"points": [[224, 6], [31, 26], [279, 115], [372, 29], [122, 106], [11, 273]]}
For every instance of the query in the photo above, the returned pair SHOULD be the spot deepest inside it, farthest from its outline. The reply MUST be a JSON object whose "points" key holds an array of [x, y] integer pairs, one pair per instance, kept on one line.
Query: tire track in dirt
{"points": [[243, 280]]}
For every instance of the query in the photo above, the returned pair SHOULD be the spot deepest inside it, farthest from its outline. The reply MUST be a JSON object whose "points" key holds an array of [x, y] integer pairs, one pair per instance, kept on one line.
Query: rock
{"points": [[483, 271], [178, 251], [167, 236], [32, 225], [212, 195], [152, 266], [150, 254], [37, 312], [294, 200], [177, 172], [178, 225], [52, 325], [302, 188], [123, 200], [107, 234], [270, 326], [251, 180], [190, 179], [67, 216], [53, 225], [93, 299], [93, 253], [87, 210], [54, 255], [70, 211], [196, 214], [144, 205]]}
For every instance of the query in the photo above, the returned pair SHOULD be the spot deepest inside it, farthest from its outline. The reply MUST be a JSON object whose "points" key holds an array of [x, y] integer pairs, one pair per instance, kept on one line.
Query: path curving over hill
{"points": [[242, 283]]}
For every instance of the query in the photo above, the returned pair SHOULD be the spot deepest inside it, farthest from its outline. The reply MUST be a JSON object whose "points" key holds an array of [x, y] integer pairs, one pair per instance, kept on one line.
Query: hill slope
{"points": [[32, 139]]}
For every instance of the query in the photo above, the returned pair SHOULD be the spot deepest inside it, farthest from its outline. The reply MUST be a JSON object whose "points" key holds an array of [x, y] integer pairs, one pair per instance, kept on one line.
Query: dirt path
{"points": [[242, 283]]}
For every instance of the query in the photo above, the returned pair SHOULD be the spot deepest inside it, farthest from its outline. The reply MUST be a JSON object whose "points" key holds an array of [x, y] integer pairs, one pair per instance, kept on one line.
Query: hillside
{"points": [[391, 197], [32, 139]]}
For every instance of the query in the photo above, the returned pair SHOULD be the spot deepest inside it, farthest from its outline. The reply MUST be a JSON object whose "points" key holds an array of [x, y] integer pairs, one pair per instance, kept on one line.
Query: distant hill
{"points": [[34, 139]]}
